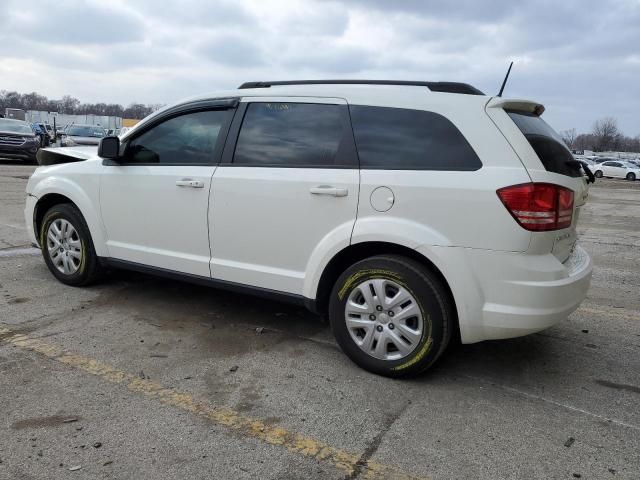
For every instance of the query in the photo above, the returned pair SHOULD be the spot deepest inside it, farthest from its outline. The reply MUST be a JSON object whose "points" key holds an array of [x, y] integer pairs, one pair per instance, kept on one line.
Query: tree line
{"points": [[604, 136], [71, 105]]}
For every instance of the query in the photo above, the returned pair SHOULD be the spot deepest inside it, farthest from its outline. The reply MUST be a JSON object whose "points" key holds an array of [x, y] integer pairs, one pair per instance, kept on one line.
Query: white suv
{"points": [[407, 212]]}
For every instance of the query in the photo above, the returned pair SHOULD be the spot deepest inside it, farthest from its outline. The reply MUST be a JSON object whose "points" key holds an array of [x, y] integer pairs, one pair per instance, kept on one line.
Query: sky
{"points": [[580, 58]]}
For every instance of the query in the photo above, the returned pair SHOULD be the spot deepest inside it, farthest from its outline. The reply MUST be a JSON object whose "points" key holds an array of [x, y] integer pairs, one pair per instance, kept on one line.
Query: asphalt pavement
{"points": [[141, 377]]}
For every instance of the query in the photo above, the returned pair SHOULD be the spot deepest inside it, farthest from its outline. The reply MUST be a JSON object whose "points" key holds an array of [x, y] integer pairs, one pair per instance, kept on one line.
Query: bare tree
{"points": [[569, 137], [606, 133], [69, 104]]}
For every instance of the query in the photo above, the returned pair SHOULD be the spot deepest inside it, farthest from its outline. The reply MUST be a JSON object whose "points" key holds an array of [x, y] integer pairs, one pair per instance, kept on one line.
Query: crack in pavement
{"points": [[232, 420], [361, 465], [539, 398]]}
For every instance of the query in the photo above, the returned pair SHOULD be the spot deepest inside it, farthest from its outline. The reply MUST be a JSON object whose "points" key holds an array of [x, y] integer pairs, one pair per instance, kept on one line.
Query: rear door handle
{"points": [[329, 190], [187, 182]]}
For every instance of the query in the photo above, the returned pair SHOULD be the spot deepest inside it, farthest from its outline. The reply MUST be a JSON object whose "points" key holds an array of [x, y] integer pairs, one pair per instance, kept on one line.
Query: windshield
{"points": [[85, 131], [548, 145], [15, 126]]}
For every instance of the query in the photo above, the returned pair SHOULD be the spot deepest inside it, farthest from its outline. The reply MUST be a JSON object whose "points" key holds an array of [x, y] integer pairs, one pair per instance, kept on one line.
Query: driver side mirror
{"points": [[109, 148]]}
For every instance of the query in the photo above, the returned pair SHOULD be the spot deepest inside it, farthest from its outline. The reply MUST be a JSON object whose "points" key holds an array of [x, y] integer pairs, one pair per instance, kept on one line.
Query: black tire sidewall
{"points": [[430, 296], [85, 272], [598, 174], [631, 176]]}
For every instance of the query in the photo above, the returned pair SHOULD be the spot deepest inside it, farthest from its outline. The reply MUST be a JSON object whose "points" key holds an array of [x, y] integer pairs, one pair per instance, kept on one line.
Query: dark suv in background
{"points": [[17, 140]]}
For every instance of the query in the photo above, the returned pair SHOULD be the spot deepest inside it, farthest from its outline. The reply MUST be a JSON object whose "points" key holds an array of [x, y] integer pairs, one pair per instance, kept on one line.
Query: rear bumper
{"points": [[522, 306], [506, 295]]}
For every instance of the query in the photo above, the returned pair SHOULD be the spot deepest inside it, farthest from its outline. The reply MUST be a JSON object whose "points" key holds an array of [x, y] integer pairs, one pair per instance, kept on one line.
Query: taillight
{"points": [[539, 207]]}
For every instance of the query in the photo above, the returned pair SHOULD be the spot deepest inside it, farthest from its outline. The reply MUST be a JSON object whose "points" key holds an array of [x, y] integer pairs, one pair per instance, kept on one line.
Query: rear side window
{"points": [[548, 145], [294, 135], [404, 139]]}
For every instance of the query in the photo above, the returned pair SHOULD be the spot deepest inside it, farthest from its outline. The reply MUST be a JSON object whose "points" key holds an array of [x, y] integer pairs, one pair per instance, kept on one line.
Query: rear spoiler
{"points": [[54, 156], [516, 104]]}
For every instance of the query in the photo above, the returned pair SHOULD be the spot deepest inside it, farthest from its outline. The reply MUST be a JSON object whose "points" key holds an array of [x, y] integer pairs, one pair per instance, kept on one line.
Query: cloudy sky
{"points": [[581, 58]]}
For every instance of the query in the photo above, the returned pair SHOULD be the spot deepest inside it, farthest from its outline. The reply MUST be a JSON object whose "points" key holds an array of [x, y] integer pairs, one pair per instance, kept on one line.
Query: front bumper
{"points": [[19, 153], [504, 295], [29, 209]]}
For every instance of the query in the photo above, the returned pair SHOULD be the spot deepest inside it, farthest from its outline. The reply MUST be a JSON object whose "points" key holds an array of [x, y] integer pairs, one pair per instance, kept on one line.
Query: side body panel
{"points": [[270, 227], [151, 220], [266, 224]]}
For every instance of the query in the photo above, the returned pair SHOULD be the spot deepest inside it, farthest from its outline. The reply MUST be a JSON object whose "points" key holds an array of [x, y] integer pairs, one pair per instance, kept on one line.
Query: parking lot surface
{"points": [[141, 377]]}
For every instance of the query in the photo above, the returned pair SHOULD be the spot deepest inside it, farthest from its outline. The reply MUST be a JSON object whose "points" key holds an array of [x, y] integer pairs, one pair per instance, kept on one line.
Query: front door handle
{"points": [[187, 182], [329, 190]]}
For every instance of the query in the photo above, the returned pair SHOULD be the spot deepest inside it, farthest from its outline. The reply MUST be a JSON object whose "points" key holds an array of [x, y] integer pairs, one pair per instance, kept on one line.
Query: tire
{"points": [[598, 173], [422, 337], [80, 271], [631, 176]]}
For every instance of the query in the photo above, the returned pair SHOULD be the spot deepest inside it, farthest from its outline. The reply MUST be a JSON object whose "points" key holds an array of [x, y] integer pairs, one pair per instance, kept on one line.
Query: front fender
{"points": [[85, 197]]}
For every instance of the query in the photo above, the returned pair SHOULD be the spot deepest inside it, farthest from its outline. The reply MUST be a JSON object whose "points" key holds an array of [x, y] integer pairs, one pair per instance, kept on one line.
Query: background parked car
{"points": [[40, 134], [81, 135], [588, 161], [618, 169], [18, 140], [635, 162], [49, 129], [48, 135]]}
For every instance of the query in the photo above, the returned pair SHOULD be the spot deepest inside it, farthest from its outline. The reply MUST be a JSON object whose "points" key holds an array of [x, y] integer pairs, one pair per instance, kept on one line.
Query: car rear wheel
{"points": [[631, 176], [67, 247], [598, 173], [391, 315]]}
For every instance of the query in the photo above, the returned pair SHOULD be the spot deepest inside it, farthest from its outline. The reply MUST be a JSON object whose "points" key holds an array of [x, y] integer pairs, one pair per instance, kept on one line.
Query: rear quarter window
{"points": [[404, 139], [548, 145]]}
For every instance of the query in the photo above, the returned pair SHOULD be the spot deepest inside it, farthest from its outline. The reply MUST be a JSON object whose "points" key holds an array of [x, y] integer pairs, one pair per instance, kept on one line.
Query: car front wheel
{"points": [[391, 315], [631, 176], [598, 173], [67, 247]]}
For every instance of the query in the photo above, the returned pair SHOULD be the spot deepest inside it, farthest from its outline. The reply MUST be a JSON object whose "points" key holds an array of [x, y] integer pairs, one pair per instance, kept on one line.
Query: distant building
{"points": [[15, 113], [61, 119]]}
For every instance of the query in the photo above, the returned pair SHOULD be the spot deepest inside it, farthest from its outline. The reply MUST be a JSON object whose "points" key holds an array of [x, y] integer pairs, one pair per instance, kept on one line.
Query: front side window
{"points": [[187, 139], [293, 134]]}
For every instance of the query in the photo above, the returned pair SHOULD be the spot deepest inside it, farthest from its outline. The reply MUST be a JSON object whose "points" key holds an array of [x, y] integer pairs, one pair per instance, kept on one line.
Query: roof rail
{"points": [[448, 87]]}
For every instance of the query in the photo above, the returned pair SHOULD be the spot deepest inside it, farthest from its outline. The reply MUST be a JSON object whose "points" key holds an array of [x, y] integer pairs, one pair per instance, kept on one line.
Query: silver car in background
{"points": [[82, 135]]}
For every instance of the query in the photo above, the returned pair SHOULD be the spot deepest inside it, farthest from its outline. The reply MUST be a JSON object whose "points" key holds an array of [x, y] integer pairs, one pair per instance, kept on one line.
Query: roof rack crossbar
{"points": [[449, 87]]}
